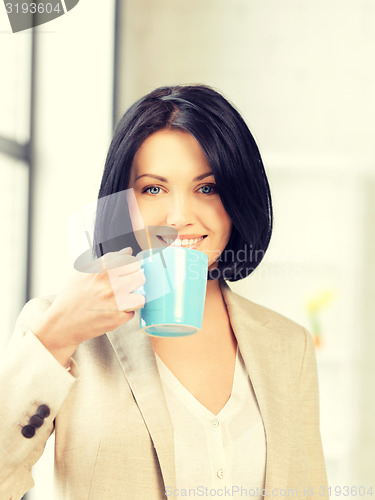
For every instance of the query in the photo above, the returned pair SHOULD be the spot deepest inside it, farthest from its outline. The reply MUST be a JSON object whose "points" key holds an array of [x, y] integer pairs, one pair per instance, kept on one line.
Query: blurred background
{"points": [[300, 72]]}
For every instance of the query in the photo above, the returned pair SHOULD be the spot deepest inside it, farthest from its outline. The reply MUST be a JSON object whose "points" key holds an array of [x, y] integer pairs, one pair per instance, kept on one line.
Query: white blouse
{"points": [[224, 452]]}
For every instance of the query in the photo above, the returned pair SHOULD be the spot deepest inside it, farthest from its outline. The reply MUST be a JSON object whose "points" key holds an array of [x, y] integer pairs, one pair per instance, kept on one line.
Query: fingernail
{"points": [[126, 251]]}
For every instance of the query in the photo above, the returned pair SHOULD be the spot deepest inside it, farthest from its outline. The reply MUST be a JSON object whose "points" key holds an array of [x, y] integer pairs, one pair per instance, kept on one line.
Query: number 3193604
{"points": [[32, 8]]}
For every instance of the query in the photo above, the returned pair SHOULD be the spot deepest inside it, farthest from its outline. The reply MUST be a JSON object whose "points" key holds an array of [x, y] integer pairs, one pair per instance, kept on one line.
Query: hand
{"points": [[92, 304]]}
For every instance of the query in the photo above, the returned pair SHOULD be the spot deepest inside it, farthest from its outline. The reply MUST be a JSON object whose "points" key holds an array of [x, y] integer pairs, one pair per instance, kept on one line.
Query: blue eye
{"points": [[211, 186], [150, 187], [212, 189]]}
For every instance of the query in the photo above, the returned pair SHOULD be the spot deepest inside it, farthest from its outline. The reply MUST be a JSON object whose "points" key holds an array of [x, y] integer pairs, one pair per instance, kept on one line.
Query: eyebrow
{"points": [[162, 179]]}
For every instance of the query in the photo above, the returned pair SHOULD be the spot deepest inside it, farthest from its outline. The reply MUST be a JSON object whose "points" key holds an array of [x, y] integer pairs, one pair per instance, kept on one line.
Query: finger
{"points": [[126, 250], [114, 260], [124, 290], [126, 284], [109, 261], [130, 302], [127, 269]]}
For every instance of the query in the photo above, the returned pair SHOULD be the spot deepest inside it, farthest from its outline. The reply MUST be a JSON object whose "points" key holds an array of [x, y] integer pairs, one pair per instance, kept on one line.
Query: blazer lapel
{"points": [[135, 353], [260, 347]]}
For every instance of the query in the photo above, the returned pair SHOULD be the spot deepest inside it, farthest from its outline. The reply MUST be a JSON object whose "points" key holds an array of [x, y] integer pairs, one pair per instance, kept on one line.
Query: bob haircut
{"points": [[231, 152]]}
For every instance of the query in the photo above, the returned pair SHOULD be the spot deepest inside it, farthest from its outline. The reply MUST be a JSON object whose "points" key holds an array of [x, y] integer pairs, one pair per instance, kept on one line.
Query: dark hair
{"points": [[231, 152]]}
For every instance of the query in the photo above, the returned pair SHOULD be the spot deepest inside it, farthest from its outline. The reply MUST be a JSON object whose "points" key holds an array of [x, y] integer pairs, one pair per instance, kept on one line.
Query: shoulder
{"points": [[258, 313], [265, 314], [271, 325]]}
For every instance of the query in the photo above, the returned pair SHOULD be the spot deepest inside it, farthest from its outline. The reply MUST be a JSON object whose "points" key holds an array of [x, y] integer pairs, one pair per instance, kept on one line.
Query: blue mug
{"points": [[175, 291]]}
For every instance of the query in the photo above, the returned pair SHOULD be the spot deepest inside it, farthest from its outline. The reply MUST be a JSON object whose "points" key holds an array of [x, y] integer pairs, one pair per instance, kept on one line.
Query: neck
{"points": [[213, 289], [214, 303], [216, 321]]}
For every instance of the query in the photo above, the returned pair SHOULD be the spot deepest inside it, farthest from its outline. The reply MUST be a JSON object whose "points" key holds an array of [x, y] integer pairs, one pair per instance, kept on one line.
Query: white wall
{"points": [[73, 129], [300, 72]]}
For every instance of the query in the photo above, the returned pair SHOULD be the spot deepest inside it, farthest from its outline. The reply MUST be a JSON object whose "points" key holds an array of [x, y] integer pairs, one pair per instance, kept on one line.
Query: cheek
{"points": [[135, 213], [147, 212], [223, 220], [227, 223]]}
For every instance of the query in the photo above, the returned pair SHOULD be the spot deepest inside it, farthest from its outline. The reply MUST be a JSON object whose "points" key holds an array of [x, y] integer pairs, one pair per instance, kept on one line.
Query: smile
{"points": [[181, 243]]}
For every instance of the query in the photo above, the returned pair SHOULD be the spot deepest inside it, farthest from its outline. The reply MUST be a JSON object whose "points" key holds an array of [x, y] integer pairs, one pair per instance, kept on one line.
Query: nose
{"points": [[179, 211]]}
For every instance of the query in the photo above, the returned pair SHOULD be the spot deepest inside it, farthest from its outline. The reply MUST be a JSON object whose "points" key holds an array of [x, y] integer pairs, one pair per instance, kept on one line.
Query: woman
{"points": [[231, 410]]}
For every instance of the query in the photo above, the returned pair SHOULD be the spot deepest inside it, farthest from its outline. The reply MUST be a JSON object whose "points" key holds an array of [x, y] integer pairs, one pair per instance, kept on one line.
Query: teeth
{"points": [[178, 243]]}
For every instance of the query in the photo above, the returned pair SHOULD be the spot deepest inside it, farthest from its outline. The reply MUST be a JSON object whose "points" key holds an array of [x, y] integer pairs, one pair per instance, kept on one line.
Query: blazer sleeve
{"points": [[309, 397], [33, 387]]}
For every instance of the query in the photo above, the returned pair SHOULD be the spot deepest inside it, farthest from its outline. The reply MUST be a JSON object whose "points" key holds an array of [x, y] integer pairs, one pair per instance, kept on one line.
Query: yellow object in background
{"points": [[314, 307]]}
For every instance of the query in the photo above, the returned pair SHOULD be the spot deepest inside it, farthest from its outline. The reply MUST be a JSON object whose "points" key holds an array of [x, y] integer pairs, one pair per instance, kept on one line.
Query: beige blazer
{"points": [[113, 433]]}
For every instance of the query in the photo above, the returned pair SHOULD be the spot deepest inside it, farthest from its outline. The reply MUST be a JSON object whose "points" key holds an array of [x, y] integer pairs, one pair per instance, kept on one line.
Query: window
{"points": [[15, 174]]}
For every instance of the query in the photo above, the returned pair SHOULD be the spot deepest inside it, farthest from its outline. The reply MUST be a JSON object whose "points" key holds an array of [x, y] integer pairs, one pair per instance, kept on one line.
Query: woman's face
{"points": [[175, 192]]}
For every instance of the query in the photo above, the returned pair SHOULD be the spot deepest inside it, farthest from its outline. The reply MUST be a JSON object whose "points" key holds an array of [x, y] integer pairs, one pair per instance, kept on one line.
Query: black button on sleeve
{"points": [[36, 421], [28, 431], [43, 411]]}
